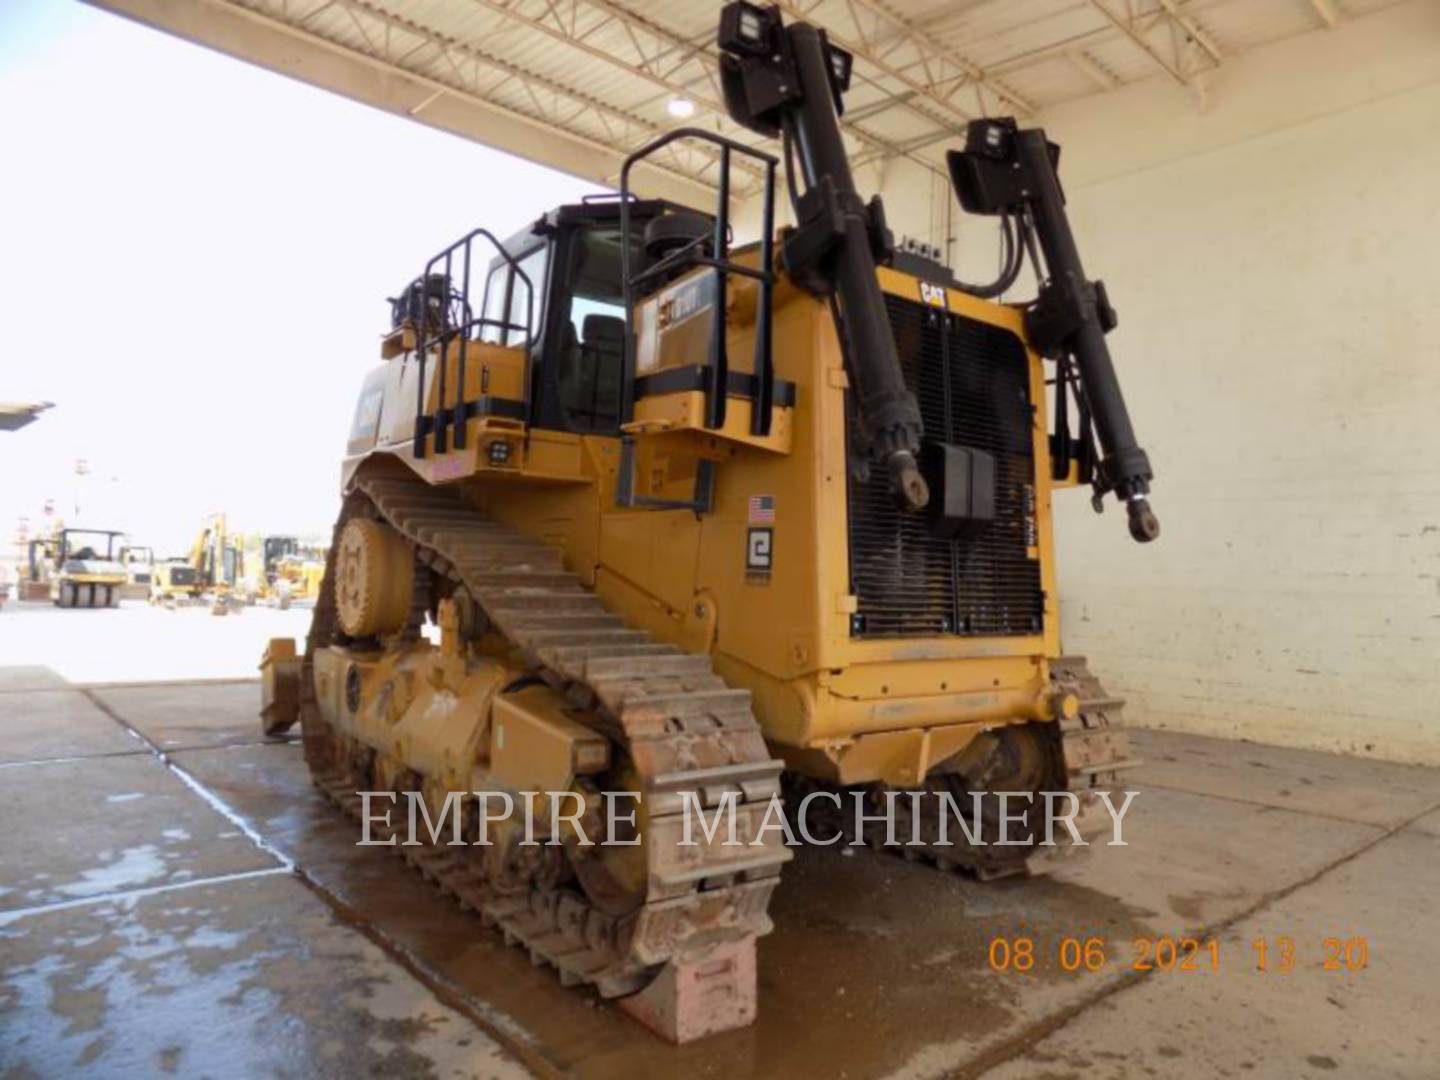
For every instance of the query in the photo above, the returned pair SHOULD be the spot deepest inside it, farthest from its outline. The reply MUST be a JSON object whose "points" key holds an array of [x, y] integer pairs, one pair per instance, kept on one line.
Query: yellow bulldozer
{"points": [[628, 509]]}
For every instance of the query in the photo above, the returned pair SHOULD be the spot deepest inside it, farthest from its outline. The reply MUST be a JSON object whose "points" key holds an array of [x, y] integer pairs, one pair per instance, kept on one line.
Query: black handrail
{"points": [[457, 415], [717, 362]]}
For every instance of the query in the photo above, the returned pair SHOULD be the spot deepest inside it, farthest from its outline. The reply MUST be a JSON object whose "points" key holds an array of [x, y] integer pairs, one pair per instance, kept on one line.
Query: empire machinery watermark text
{"points": [[983, 819]]}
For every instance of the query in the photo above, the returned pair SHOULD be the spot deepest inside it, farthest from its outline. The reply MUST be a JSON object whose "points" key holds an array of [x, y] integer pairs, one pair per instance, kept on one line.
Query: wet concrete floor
{"points": [[175, 898]]}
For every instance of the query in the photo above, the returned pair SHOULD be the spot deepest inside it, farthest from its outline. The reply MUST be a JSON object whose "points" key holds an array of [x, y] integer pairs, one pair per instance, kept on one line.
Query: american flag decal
{"points": [[762, 509]]}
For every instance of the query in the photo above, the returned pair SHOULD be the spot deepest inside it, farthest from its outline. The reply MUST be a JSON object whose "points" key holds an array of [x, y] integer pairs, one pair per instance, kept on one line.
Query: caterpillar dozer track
{"points": [[630, 509]]}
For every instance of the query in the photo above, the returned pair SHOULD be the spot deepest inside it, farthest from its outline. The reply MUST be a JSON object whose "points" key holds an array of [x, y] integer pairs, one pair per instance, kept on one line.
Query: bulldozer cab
{"points": [[573, 259], [541, 337], [556, 291], [522, 334], [549, 341]]}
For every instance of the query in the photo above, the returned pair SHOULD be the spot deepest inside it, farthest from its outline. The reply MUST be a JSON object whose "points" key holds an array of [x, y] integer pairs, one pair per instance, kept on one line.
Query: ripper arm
{"points": [[788, 81], [1007, 171]]}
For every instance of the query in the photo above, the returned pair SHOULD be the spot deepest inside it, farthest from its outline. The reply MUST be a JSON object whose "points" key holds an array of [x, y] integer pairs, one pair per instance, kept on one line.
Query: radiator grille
{"points": [[972, 382]]}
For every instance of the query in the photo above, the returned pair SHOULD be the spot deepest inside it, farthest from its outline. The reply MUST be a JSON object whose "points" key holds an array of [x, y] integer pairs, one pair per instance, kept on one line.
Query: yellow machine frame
{"points": [[656, 594], [851, 710]]}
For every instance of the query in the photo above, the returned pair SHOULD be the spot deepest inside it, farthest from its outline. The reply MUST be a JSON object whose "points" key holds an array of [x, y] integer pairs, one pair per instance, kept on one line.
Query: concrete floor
{"points": [[174, 897]]}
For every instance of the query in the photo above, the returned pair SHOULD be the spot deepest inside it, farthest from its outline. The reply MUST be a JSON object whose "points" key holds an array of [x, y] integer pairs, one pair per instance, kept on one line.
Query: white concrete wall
{"points": [[1275, 260]]}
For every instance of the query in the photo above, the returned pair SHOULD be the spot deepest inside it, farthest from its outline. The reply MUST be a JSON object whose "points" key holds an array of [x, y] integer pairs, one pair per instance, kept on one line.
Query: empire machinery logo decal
{"points": [[555, 818]]}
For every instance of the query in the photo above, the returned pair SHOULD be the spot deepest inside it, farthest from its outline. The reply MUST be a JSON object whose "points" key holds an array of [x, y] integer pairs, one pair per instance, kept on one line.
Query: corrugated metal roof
{"points": [[604, 71]]}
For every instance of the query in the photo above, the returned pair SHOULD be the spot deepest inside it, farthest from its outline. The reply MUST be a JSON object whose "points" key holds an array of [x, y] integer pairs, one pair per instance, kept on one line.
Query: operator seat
{"points": [[602, 361]]}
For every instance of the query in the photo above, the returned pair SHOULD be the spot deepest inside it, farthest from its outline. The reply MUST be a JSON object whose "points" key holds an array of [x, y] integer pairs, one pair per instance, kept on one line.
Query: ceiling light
{"points": [[680, 107]]}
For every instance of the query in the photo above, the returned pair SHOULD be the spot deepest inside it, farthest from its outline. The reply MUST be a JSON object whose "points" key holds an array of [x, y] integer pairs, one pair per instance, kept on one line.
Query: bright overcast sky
{"points": [[194, 260]]}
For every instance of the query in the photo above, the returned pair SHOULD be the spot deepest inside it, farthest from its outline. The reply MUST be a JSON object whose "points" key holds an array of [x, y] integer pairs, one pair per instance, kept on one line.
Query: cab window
{"points": [[496, 287], [592, 346], [522, 305], [506, 298]]}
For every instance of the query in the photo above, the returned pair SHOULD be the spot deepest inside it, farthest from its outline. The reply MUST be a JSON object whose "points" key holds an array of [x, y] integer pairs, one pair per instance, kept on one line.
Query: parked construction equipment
{"points": [[212, 572], [139, 563], [689, 517], [174, 582], [81, 567], [285, 571]]}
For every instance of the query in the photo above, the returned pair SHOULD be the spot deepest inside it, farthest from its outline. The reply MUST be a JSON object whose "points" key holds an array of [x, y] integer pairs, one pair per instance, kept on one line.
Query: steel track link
{"points": [[684, 729], [1095, 745]]}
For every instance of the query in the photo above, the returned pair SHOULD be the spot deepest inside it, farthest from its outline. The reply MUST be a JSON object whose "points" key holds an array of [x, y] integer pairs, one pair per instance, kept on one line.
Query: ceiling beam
{"points": [[266, 41], [636, 130], [928, 46], [644, 69], [1093, 71], [704, 54], [1192, 28], [951, 114], [909, 148], [1327, 11], [1103, 34], [485, 58], [875, 108], [709, 54], [1129, 30]]}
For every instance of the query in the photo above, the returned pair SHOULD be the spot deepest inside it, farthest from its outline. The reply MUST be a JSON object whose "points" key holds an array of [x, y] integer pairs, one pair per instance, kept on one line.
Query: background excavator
{"points": [[211, 572], [695, 520]]}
